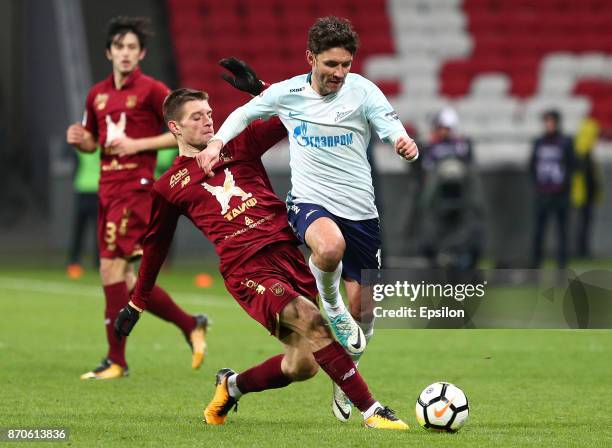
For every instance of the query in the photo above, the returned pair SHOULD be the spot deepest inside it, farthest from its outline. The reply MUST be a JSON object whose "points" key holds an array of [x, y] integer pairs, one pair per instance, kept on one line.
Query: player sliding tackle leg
{"points": [[308, 345]]}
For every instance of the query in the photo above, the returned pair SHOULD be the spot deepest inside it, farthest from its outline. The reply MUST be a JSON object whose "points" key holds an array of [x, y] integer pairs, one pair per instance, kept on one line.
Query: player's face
{"points": [[329, 69], [125, 53], [196, 125]]}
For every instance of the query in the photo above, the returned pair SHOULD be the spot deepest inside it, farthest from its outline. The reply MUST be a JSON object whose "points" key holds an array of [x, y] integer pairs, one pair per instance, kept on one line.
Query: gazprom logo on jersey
{"points": [[300, 134]]}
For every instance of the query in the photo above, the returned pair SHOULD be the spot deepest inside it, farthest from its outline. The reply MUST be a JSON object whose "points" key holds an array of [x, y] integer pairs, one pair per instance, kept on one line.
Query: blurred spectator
{"points": [[445, 142], [85, 215], [586, 184], [451, 205], [550, 167]]}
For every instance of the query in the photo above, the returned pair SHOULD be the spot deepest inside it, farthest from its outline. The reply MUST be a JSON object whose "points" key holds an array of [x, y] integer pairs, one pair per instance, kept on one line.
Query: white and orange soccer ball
{"points": [[442, 407]]}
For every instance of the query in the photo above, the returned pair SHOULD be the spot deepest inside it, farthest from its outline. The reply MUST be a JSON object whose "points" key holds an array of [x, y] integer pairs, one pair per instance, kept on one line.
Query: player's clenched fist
{"points": [[209, 156], [407, 148], [80, 137], [75, 135], [125, 321]]}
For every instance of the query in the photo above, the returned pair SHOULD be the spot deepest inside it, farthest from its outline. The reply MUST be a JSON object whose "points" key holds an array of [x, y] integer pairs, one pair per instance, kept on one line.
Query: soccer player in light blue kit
{"points": [[328, 113]]}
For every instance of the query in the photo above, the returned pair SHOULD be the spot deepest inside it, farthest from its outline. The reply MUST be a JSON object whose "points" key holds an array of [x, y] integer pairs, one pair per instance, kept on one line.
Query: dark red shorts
{"points": [[270, 280], [122, 224]]}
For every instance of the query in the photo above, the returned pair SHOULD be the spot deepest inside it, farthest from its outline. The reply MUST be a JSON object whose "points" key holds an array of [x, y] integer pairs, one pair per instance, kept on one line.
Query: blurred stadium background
{"points": [[499, 63]]}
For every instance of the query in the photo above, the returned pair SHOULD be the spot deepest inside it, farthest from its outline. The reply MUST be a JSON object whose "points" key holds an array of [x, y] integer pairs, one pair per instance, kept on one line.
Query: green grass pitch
{"points": [[526, 387]]}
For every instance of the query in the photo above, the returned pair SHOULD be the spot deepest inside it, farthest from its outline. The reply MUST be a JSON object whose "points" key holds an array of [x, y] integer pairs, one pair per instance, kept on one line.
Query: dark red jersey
{"points": [[236, 209], [134, 111]]}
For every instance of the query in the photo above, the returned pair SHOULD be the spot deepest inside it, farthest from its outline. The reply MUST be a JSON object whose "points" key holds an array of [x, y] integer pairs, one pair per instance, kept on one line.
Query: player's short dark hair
{"points": [[331, 32], [175, 100], [122, 25]]}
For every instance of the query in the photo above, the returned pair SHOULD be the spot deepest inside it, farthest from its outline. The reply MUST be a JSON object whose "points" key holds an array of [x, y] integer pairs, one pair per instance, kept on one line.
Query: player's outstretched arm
{"points": [[80, 138], [162, 225], [244, 77]]}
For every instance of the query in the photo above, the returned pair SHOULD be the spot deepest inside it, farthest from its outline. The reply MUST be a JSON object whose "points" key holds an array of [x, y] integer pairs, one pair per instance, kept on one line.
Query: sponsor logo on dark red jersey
{"points": [[116, 166], [125, 219], [251, 226], [101, 100], [259, 289], [229, 189], [131, 101], [277, 289], [240, 209], [182, 174]]}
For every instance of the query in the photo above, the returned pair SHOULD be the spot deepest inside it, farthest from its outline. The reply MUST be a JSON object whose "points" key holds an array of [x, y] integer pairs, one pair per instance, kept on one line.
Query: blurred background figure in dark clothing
{"points": [[550, 168], [451, 204]]}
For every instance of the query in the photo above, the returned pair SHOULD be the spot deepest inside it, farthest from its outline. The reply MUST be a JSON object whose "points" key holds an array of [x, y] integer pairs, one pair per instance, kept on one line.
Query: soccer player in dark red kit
{"points": [[124, 116], [260, 262]]}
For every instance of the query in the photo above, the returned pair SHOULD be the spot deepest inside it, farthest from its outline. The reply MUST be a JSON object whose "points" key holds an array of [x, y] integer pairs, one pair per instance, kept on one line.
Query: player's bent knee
{"points": [[330, 253], [106, 270], [112, 270], [130, 280]]}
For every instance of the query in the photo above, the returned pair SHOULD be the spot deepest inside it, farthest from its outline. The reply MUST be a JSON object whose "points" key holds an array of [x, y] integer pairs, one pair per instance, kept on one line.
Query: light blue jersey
{"points": [[328, 138]]}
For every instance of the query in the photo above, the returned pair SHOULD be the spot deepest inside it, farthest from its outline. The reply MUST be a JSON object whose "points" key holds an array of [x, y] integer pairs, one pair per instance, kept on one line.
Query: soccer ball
{"points": [[442, 407]]}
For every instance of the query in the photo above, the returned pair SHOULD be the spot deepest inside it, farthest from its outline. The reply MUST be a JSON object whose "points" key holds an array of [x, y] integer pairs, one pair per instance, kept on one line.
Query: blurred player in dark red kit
{"points": [[124, 115], [263, 269]]}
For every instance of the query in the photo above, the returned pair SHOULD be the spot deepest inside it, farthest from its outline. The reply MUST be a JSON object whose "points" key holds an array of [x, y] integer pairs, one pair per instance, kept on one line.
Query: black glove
{"points": [[125, 321], [244, 77]]}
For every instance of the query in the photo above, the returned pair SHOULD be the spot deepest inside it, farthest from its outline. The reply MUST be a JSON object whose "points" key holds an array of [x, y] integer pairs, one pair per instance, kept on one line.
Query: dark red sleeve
{"points": [[159, 92], [162, 225], [261, 136], [89, 118]]}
